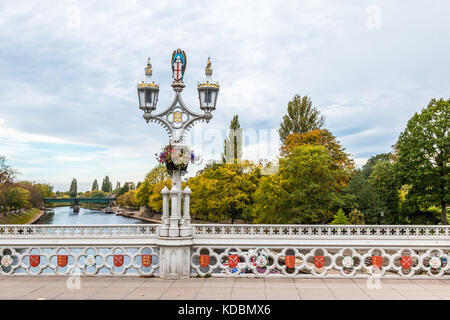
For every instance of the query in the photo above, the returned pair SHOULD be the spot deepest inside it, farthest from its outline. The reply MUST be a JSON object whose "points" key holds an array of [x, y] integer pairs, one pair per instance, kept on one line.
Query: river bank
{"points": [[29, 216], [157, 217]]}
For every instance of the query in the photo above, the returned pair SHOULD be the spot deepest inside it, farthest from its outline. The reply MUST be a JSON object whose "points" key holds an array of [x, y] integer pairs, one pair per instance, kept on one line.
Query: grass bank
{"points": [[24, 217]]}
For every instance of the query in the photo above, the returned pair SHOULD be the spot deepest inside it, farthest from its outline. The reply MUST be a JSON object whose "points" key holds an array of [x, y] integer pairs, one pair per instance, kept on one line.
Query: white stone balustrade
{"points": [[212, 249]]}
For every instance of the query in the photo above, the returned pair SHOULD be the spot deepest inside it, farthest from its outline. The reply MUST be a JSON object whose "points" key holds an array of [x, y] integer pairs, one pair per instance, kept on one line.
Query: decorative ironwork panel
{"points": [[345, 262], [96, 260], [320, 231], [79, 231]]}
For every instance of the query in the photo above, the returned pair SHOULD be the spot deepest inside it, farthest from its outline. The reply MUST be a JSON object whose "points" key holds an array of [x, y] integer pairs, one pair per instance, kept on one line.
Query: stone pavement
{"points": [[46, 287]]}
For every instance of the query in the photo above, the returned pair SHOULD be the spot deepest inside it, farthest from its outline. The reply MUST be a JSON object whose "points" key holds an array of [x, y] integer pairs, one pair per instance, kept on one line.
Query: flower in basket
{"points": [[176, 158]]}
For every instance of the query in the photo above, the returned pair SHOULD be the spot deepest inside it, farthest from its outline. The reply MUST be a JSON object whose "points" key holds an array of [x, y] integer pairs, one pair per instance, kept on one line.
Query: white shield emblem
{"points": [[7, 261], [347, 262], [261, 261], [90, 260], [435, 262]]}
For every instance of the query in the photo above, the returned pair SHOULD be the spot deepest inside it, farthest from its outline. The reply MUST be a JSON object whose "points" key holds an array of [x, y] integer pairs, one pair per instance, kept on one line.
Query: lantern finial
{"points": [[148, 69], [208, 70]]}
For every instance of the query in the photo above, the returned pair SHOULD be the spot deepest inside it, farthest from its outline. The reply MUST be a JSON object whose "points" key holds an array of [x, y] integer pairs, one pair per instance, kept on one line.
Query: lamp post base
{"points": [[175, 258]]}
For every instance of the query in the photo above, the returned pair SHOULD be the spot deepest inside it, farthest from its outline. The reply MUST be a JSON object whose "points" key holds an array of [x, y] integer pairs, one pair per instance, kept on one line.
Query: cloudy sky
{"points": [[68, 102]]}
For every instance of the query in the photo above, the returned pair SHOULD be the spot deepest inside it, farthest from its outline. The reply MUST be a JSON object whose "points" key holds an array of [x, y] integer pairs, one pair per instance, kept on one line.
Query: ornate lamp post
{"points": [[177, 119]]}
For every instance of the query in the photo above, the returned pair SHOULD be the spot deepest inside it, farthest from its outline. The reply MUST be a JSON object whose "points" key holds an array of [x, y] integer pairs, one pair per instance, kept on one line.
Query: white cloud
{"points": [[75, 86]]}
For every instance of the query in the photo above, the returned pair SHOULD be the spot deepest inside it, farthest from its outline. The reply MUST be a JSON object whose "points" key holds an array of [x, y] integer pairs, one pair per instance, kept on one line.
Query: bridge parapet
{"points": [[225, 250]]}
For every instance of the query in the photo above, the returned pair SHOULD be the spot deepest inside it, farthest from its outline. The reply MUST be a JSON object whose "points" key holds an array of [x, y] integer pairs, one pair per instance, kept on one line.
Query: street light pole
{"points": [[177, 119]]}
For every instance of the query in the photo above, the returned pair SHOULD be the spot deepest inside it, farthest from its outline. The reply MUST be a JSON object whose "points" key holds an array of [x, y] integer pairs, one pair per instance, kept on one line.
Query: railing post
{"points": [[164, 230], [175, 250], [185, 229], [174, 219]]}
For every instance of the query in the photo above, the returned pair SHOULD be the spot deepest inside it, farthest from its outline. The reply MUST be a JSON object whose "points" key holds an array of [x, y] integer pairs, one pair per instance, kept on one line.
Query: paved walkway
{"points": [[44, 287]]}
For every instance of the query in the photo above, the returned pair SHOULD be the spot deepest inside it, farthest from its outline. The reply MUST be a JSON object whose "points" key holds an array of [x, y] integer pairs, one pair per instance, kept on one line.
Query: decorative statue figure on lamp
{"points": [[177, 119]]}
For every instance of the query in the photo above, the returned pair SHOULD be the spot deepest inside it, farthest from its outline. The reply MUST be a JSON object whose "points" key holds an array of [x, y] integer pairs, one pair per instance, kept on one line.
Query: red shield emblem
{"points": [[146, 260], [377, 261], [319, 261], [289, 261], [204, 260], [62, 260], [233, 260], [35, 259], [406, 262], [118, 260]]}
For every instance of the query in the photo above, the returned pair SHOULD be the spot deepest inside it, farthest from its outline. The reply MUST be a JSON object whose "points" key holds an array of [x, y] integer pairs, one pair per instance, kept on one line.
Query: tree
{"points": [[18, 198], [87, 194], [383, 180], [127, 186], [372, 198], [37, 191], [232, 149], [340, 218], [98, 194], [106, 185], [224, 192], [301, 117], [367, 169], [7, 176], [305, 190], [340, 159], [45, 189], [356, 217], [128, 199], [149, 191], [94, 185], [73, 188], [424, 157]]}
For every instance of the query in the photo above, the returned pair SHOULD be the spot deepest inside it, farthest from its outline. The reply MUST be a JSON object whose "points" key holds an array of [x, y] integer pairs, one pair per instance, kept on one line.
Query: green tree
{"points": [[356, 217], [301, 117], [305, 190], [340, 218], [367, 169], [106, 185], [368, 197], [37, 191], [45, 189], [94, 185], [232, 149], [7, 176], [127, 186], [149, 191], [383, 180], [18, 198], [73, 188], [340, 159], [224, 191], [424, 157], [98, 194], [128, 199]]}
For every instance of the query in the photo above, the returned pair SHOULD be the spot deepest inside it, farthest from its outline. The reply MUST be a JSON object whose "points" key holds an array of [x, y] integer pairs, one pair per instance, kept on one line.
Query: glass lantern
{"points": [[207, 94], [148, 96]]}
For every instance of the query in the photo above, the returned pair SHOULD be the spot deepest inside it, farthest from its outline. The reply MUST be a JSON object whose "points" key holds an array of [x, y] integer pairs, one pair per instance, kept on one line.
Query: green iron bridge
{"points": [[78, 200]]}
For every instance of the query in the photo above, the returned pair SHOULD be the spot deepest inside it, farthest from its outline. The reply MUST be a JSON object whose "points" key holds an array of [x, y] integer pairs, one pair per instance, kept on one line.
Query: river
{"points": [[66, 216]]}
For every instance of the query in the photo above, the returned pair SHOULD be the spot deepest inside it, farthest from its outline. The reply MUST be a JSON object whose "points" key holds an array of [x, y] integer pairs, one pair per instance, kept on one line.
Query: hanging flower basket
{"points": [[176, 158]]}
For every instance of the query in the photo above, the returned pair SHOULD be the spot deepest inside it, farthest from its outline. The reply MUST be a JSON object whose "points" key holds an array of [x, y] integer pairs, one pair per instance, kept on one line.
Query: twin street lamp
{"points": [[177, 119]]}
